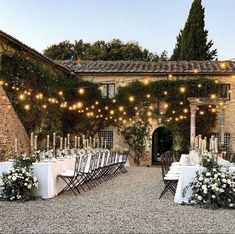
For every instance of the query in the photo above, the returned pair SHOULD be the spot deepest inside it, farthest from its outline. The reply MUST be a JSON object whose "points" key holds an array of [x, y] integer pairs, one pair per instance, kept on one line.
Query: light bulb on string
{"points": [[81, 91], [131, 99]]}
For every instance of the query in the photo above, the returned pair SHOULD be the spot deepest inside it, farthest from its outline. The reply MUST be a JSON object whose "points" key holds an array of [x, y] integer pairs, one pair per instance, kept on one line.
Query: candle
{"points": [[87, 143], [200, 142], [68, 140], [54, 138], [65, 142], [16, 145], [105, 144], [61, 143], [98, 142], [90, 141], [78, 142], [35, 142], [75, 142], [48, 142], [216, 145], [31, 140]]}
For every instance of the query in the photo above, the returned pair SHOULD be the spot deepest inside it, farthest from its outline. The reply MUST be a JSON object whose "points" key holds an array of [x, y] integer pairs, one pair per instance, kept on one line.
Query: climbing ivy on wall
{"points": [[26, 78], [167, 104]]}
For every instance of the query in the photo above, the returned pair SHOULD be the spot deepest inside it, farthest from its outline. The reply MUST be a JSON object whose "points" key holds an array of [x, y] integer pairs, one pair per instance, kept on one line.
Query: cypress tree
{"points": [[192, 41]]}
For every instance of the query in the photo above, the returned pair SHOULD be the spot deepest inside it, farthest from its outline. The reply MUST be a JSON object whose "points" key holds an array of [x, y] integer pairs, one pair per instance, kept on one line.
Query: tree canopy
{"points": [[101, 50], [192, 42]]}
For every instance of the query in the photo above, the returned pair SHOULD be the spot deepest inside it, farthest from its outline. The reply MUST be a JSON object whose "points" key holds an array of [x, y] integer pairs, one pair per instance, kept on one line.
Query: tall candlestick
{"points": [[216, 145], [90, 141], [98, 142], [54, 139], [48, 142], [79, 142], [68, 140], [105, 144], [31, 140], [16, 145], [61, 143], [36, 142], [87, 143], [75, 142], [65, 142]]}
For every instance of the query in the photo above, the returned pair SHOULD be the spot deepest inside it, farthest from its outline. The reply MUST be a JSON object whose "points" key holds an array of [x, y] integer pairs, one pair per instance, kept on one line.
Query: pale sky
{"points": [[153, 23]]}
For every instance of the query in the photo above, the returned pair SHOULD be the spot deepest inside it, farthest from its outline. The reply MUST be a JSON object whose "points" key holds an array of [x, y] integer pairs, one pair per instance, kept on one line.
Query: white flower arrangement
{"points": [[214, 188], [17, 184]]}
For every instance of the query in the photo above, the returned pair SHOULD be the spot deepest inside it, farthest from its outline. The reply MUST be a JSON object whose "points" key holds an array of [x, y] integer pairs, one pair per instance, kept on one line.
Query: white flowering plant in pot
{"points": [[213, 186], [17, 182]]}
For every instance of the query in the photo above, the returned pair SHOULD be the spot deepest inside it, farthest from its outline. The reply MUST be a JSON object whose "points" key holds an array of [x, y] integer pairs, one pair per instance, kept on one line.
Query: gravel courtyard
{"points": [[126, 204]]}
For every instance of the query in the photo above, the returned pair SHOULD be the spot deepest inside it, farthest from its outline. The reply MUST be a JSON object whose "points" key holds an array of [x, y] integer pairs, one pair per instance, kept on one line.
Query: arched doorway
{"points": [[162, 141]]}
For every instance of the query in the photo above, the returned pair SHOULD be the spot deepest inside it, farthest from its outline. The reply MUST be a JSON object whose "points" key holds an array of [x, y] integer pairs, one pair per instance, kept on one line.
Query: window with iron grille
{"points": [[108, 137], [224, 91], [108, 90], [226, 139]]}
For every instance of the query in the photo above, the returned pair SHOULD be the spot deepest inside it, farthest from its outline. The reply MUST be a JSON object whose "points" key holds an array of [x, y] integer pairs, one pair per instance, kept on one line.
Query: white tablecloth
{"points": [[186, 176], [47, 173]]}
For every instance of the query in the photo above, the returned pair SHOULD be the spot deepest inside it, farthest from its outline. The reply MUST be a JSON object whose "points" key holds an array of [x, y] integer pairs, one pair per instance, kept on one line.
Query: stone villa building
{"points": [[111, 75]]}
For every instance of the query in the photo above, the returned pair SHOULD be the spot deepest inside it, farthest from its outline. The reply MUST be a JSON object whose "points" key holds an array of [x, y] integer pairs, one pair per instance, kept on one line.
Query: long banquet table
{"points": [[186, 176], [47, 173]]}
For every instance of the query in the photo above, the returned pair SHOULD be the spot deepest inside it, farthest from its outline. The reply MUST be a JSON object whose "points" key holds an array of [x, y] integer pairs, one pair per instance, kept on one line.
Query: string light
{"points": [[22, 97], [131, 99], [27, 107], [61, 93], [81, 91], [182, 89]]}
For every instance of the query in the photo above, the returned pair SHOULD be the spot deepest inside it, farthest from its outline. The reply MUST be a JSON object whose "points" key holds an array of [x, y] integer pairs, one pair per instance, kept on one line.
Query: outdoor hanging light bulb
{"points": [[81, 91], [131, 99], [182, 89], [27, 107]]}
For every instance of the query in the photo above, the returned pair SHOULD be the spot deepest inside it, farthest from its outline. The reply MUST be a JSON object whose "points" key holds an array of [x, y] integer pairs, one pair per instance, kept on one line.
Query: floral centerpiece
{"points": [[213, 186], [18, 181]]}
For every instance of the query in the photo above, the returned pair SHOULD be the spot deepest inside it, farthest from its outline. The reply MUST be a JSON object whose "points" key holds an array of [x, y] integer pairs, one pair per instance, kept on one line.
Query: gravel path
{"points": [[126, 204]]}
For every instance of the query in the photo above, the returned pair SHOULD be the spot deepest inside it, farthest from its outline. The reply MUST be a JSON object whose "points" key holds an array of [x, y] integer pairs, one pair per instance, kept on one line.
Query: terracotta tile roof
{"points": [[158, 68], [30, 50]]}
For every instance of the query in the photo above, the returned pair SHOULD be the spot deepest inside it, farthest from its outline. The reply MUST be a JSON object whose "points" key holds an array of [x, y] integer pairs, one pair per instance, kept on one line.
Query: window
{"points": [[108, 137], [226, 139], [108, 90], [224, 91]]}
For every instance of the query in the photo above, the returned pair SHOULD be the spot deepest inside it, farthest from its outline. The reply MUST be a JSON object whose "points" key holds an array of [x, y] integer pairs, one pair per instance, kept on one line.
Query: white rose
{"points": [[221, 190], [14, 178], [199, 198], [208, 174], [203, 186], [213, 196], [9, 177], [25, 184], [200, 178], [224, 180], [29, 186], [206, 180], [215, 176], [229, 181], [35, 179]]}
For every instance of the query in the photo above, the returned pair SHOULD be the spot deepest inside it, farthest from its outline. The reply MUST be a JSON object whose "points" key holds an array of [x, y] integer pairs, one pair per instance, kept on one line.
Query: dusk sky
{"points": [[153, 23]]}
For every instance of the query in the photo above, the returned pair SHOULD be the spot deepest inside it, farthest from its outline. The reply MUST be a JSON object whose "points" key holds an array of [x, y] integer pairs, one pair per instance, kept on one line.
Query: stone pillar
{"points": [[193, 109], [221, 126]]}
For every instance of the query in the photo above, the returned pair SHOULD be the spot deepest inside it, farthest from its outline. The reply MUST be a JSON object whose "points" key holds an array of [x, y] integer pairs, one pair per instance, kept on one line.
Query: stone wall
{"points": [[10, 128], [120, 80]]}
